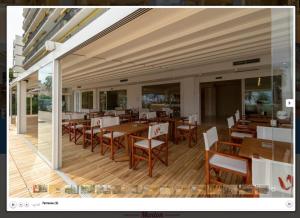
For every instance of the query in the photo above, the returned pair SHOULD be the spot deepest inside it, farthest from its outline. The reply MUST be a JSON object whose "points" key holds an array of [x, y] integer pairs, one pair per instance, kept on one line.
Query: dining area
{"points": [[259, 149], [154, 148]]}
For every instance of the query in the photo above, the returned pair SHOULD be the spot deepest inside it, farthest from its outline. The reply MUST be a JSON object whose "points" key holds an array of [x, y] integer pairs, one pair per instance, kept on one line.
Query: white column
{"points": [[21, 107], [56, 116], [10, 106], [189, 96], [134, 96]]}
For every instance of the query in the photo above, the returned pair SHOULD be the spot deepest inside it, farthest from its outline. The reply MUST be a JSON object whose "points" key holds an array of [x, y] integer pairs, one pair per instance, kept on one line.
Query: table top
{"points": [[272, 150], [128, 128]]}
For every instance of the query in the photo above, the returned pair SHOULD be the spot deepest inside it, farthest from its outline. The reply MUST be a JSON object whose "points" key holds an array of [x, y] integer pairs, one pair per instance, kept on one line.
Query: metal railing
{"points": [[33, 16], [32, 34], [52, 32]]}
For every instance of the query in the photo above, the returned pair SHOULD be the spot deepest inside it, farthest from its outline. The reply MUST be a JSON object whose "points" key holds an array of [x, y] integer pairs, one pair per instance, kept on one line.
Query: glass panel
{"points": [[87, 100], [261, 97], [102, 100], [45, 111], [282, 133], [156, 97], [111, 100]]}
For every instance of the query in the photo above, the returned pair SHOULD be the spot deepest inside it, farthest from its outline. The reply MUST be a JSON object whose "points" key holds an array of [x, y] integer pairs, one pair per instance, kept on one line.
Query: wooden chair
{"points": [[66, 117], [219, 162], [152, 148], [274, 178], [236, 134], [188, 129], [90, 132], [274, 133], [151, 117], [76, 129], [110, 139], [142, 118]]}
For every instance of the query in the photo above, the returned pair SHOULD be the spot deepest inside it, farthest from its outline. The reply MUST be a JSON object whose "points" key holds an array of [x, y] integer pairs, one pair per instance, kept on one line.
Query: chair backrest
{"points": [[193, 119], [66, 116], [151, 115], [118, 113], [142, 115], [109, 121], [230, 122], [275, 134], [237, 116], [143, 110], [77, 115], [278, 176], [96, 121], [210, 137], [110, 112], [158, 129], [167, 110]]}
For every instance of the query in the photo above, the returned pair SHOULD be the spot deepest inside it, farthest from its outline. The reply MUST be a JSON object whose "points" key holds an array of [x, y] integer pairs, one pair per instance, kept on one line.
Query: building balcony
{"points": [[29, 17], [32, 34], [41, 42]]}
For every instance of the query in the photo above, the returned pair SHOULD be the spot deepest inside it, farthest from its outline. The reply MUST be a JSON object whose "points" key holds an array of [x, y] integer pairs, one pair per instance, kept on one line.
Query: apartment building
{"points": [[18, 57], [51, 24]]}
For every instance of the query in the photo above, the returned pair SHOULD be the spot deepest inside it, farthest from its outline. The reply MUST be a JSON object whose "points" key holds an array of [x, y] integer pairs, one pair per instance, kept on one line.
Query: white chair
{"points": [[152, 147], [76, 128], [110, 113], [168, 111], [119, 112], [218, 161], [90, 132], [275, 134], [276, 177], [66, 117], [151, 116], [237, 116], [188, 129], [237, 134], [110, 139]]}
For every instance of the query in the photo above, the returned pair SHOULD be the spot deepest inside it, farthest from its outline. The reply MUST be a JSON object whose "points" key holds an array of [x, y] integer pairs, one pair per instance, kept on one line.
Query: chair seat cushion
{"points": [[229, 163], [115, 134], [241, 135], [79, 126], [185, 127], [95, 130], [145, 144]]}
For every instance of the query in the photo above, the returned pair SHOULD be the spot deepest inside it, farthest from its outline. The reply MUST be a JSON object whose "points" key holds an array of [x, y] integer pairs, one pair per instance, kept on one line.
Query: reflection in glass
{"points": [[45, 112], [112, 100], [156, 97], [261, 97], [87, 100]]}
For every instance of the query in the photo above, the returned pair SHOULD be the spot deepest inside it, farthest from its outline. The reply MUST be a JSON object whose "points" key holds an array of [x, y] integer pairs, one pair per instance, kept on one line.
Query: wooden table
{"points": [[272, 150], [128, 129]]}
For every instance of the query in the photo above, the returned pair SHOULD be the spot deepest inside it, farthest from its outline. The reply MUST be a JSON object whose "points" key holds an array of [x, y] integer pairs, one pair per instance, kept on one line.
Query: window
{"points": [[160, 96], [110, 100], [262, 95], [87, 100]]}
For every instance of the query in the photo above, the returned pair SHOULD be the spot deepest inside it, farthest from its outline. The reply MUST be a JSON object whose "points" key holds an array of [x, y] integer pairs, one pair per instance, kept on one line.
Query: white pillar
{"points": [[56, 116], [134, 96], [21, 107], [10, 106], [189, 96]]}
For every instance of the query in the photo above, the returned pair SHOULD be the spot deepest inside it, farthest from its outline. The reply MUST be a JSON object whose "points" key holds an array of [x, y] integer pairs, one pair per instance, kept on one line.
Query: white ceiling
{"points": [[175, 38]]}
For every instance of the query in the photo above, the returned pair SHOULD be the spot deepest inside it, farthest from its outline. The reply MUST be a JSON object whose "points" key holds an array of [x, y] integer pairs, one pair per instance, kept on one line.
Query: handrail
{"points": [[54, 30]]}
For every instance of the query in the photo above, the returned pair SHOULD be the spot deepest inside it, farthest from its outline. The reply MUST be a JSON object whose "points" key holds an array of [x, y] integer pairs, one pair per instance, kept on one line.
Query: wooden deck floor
{"points": [[185, 170]]}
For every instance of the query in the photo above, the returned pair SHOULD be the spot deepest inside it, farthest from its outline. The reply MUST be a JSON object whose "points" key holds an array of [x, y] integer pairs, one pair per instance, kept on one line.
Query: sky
{"points": [[14, 27]]}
